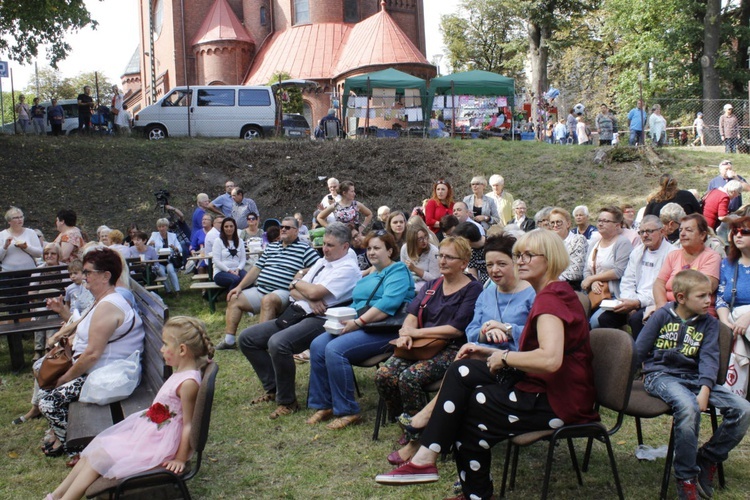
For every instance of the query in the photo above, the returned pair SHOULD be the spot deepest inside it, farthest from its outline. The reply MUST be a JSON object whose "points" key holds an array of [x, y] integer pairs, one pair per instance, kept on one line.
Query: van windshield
{"points": [[177, 98]]}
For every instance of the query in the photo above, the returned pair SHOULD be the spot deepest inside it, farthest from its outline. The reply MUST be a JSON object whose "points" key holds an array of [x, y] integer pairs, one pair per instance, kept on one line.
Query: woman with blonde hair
{"points": [[557, 387], [482, 207], [669, 193], [19, 245], [420, 256]]}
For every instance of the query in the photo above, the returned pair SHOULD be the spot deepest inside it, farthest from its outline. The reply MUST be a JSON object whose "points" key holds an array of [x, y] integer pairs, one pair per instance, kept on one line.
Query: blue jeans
{"points": [[173, 283], [680, 392], [636, 136], [730, 145], [229, 280], [331, 377]]}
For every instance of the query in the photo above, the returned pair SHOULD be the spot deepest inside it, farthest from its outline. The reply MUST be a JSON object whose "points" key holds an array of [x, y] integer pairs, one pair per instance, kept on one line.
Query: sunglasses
{"points": [[742, 231], [286, 228]]}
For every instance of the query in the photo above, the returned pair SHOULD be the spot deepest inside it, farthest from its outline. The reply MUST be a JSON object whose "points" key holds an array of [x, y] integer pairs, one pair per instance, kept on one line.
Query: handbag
{"points": [[291, 316], [422, 348], [387, 325], [57, 361], [596, 298], [112, 382]]}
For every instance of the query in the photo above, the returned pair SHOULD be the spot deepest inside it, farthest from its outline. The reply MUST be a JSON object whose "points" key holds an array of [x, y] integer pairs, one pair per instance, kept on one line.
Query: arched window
{"points": [[263, 18], [301, 11], [351, 11]]}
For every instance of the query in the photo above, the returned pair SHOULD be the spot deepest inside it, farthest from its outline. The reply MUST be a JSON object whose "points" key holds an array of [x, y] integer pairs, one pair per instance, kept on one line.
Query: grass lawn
{"points": [[250, 456]]}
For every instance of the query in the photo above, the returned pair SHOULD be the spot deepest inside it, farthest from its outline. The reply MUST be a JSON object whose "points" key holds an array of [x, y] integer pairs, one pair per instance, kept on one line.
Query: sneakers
{"points": [[224, 346], [687, 489], [705, 482], [284, 410], [409, 473]]}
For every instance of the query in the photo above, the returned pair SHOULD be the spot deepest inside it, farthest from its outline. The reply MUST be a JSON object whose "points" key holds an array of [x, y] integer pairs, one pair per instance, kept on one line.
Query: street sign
{"points": [[3, 69]]}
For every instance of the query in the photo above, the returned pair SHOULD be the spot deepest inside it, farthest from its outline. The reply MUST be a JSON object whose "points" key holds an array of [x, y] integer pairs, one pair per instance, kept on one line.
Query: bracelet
{"points": [[363, 322], [505, 359]]}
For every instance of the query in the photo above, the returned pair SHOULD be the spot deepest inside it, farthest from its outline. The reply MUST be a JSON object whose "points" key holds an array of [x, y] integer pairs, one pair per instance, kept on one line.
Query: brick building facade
{"points": [[237, 42]]}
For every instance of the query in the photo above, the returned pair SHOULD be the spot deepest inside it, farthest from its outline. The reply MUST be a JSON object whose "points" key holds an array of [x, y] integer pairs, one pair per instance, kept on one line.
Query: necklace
{"points": [[512, 295]]}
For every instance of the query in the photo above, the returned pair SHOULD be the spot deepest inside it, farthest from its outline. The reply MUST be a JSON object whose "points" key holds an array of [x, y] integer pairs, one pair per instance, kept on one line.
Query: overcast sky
{"points": [[108, 48]]}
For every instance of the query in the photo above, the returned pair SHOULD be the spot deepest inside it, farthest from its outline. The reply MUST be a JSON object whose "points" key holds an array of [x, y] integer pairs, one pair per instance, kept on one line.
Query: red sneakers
{"points": [[409, 473]]}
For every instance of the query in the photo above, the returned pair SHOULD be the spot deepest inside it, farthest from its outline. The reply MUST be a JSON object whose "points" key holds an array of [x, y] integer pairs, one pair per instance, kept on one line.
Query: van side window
{"points": [[216, 97], [254, 97], [70, 110], [177, 98]]}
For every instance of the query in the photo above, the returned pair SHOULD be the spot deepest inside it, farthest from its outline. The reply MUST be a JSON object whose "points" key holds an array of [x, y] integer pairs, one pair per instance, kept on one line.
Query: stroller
{"points": [[100, 121]]}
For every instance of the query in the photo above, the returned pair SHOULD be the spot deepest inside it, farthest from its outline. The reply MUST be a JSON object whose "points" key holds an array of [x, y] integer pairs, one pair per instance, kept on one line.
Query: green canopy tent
{"points": [[390, 78], [476, 82]]}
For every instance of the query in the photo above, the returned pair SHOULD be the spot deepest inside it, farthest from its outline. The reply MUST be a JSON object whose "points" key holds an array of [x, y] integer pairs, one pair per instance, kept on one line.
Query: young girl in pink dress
{"points": [[159, 435]]}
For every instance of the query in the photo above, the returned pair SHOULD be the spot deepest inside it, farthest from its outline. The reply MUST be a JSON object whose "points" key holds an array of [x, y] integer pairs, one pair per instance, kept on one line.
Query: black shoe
{"points": [[224, 346], [705, 482]]}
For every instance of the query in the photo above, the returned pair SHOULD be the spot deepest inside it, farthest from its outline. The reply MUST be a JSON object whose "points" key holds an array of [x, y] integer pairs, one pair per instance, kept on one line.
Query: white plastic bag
{"points": [[739, 369], [112, 382]]}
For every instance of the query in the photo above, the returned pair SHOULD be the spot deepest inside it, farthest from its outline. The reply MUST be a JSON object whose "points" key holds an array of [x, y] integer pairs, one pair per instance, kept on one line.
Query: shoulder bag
{"points": [[423, 348], [387, 325], [596, 298]]}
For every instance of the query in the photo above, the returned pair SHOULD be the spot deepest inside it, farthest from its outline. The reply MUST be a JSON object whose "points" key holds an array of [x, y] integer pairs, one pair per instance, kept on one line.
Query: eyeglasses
{"points": [[477, 184], [525, 257], [643, 232], [86, 272], [17, 217], [605, 221], [50, 253], [742, 231], [449, 258], [555, 223], [286, 228], [252, 218], [421, 239]]}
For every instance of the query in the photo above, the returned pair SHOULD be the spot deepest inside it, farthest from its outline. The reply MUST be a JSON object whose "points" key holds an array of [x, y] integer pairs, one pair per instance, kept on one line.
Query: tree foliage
{"points": [[487, 35], [25, 25], [290, 97], [53, 84]]}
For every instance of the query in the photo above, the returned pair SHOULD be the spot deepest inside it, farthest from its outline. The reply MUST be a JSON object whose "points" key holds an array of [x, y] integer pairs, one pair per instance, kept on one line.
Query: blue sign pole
{"points": [[3, 74]]}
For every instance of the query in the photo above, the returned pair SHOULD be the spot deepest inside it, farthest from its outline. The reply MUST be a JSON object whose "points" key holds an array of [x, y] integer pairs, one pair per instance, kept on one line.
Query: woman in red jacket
{"points": [[439, 205]]}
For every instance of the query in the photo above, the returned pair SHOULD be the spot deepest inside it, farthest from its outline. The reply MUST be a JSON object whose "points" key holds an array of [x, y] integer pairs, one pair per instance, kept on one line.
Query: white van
{"points": [[69, 126], [211, 111]]}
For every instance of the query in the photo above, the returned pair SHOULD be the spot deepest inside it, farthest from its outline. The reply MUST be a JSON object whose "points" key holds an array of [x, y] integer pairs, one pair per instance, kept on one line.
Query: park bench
{"points": [[23, 296], [143, 273], [86, 420]]}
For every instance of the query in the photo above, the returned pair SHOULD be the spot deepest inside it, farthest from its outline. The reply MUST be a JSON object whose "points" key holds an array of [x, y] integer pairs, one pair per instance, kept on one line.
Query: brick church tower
{"points": [[235, 42]]}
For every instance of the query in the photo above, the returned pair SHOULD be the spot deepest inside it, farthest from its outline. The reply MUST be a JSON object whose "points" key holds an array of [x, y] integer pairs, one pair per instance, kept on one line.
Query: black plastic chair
{"points": [[614, 365], [158, 477]]}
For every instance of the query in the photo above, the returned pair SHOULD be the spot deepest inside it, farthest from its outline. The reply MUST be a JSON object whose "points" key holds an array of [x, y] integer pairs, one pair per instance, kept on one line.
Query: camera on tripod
{"points": [[162, 198]]}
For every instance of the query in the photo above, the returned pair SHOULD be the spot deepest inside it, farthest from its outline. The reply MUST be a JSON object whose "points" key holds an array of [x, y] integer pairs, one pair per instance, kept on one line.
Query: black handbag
{"points": [[291, 316], [388, 325]]}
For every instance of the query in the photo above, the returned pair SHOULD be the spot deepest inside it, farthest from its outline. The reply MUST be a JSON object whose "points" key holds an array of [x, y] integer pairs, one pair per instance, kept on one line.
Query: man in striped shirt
{"points": [[271, 277]]}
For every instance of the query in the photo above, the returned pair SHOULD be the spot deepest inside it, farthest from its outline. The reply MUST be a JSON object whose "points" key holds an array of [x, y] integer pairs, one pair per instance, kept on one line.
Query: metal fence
{"points": [[681, 113]]}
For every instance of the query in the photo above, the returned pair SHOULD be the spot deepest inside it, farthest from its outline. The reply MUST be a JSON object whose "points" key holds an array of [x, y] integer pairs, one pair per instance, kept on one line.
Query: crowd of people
{"points": [[487, 299], [114, 118]]}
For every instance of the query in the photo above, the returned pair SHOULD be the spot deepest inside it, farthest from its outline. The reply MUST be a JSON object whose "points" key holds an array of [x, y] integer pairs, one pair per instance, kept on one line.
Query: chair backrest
{"points": [[270, 222], [202, 414], [585, 302], [614, 364], [726, 342]]}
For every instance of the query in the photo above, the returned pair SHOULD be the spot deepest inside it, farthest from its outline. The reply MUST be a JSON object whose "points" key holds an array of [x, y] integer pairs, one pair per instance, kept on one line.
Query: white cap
{"points": [[728, 106]]}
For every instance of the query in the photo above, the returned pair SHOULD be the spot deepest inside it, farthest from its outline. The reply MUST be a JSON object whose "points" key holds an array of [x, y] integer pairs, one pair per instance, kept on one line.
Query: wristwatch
{"points": [[508, 328], [293, 284]]}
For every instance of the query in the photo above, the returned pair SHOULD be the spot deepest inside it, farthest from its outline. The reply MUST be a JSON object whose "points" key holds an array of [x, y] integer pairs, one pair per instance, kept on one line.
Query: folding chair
{"points": [[614, 365]]}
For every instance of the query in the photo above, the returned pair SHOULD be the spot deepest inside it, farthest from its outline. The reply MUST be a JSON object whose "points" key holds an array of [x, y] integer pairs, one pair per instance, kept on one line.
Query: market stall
{"points": [[385, 97], [474, 101]]}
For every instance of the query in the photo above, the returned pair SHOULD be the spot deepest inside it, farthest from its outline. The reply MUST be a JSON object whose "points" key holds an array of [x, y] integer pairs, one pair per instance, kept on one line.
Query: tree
{"points": [[26, 25], [51, 84], [289, 97], [487, 35]]}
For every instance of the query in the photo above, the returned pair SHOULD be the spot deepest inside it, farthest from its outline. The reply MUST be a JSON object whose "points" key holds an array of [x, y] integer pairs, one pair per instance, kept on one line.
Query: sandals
{"points": [[320, 416], [345, 421], [411, 433], [265, 398], [53, 452], [284, 410], [302, 357]]}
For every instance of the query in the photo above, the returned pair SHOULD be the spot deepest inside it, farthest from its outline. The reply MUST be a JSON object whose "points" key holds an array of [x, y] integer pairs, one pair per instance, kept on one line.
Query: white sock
{"points": [[229, 339]]}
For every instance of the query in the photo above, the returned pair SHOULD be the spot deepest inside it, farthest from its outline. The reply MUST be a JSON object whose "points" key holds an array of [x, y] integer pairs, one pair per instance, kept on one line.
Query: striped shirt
{"points": [[279, 264]]}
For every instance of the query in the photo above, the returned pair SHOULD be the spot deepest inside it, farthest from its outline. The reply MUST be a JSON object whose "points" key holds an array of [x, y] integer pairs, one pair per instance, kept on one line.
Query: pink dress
{"points": [[138, 444]]}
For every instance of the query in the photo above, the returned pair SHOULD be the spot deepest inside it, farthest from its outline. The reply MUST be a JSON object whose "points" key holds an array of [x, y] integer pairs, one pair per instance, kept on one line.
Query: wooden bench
{"points": [[142, 273], [23, 296], [86, 420], [212, 290]]}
